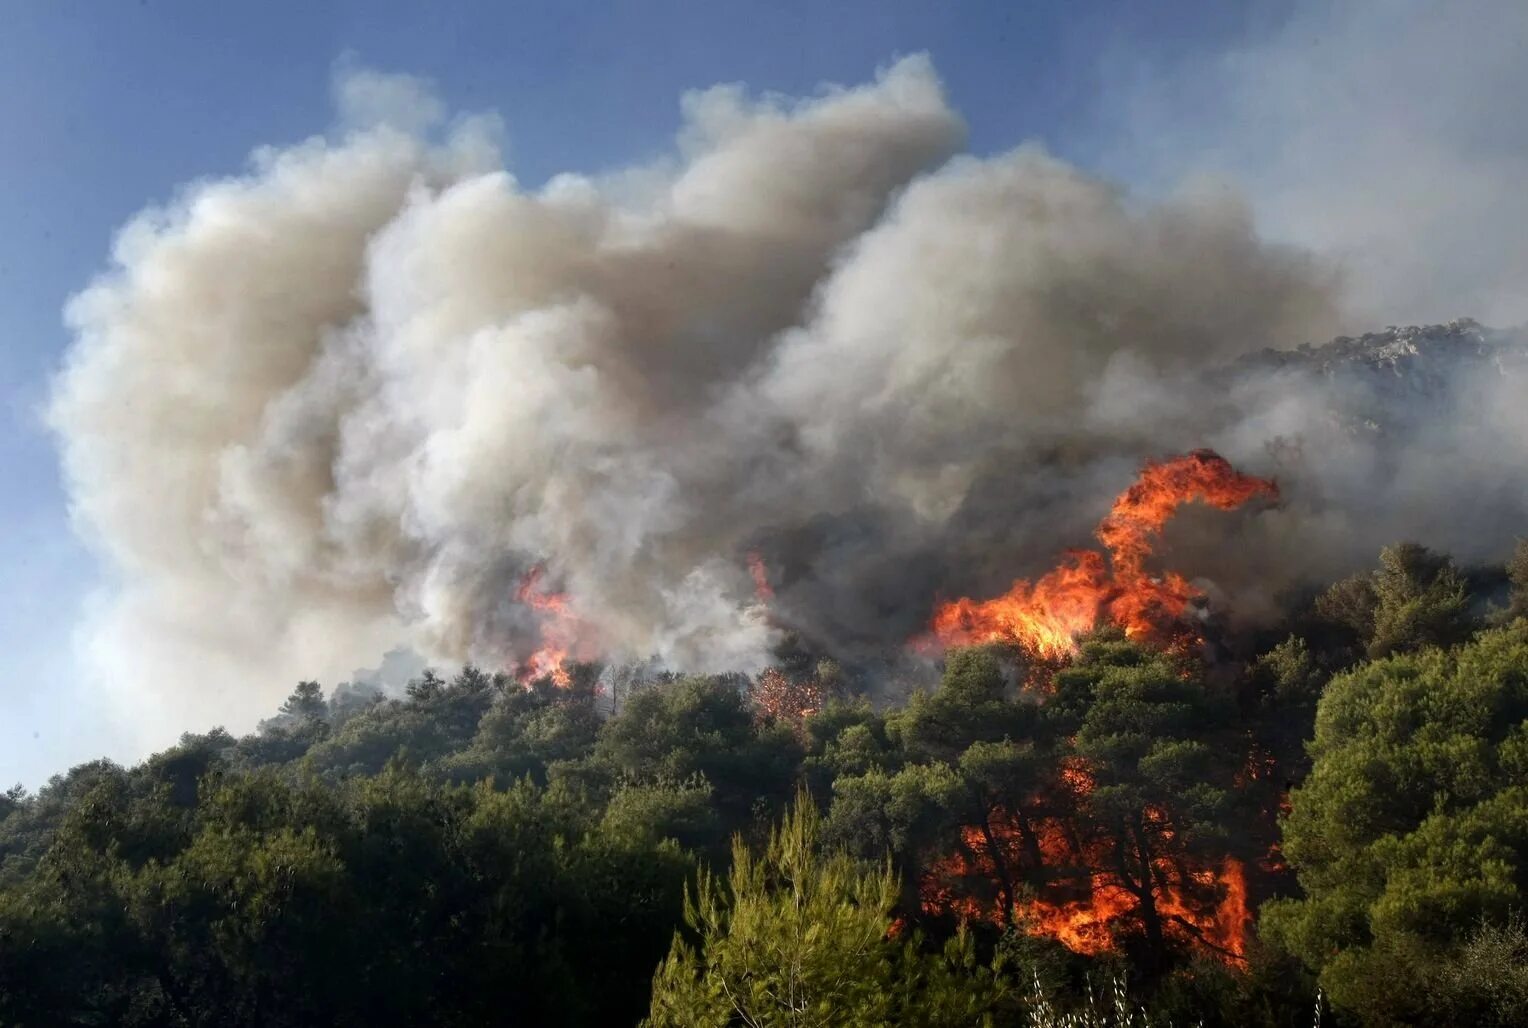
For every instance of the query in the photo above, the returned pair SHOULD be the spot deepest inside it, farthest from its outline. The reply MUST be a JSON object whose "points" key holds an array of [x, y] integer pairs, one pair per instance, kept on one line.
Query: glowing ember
{"points": [[559, 630], [1047, 616], [783, 698]]}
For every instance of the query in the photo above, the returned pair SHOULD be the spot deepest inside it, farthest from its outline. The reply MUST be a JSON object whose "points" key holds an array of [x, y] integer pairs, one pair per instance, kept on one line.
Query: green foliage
{"points": [[481, 850], [1350, 604], [526, 732], [1157, 746], [1517, 576], [438, 720], [306, 702], [1149, 737], [845, 739], [799, 937], [1422, 601], [218, 917], [971, 704], [1413, 824], [701, 727], [1485, 982], [28, 830], [905, 814], [1286, 684], [1416, 598], [653, 812], [1295, 680]]}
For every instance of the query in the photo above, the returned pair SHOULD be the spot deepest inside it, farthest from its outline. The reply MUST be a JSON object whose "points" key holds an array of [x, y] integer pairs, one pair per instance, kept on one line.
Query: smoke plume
{"points": [[357, 396]]}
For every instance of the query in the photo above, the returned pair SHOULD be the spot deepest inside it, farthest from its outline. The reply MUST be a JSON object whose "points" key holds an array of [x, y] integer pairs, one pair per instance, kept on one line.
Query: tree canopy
{"points": [[1336, 801], [1412, 826]]}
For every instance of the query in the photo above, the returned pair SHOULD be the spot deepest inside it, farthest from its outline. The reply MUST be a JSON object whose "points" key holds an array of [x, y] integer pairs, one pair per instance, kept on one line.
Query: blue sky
{"points": [[106, 108]]}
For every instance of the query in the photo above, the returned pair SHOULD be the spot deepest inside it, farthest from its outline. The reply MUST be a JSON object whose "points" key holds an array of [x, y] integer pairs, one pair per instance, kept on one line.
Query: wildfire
{"points": [[559, 630], [1040, 871], [1076, 896], [1046, 616], [1088, 926], [761, 587]]}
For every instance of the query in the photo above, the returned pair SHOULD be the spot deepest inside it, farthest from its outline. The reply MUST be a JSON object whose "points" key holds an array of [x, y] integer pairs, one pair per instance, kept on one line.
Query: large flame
{"points": [[559, 631], [1039, 871], [1048, 615]]}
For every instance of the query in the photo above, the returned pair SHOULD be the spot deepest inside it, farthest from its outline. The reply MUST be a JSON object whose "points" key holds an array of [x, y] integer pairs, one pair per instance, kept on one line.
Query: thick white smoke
{"points": [[353, 397]]}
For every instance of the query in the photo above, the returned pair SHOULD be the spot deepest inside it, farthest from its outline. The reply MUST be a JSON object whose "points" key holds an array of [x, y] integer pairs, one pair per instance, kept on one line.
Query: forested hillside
{"points": [[1328, 819]]}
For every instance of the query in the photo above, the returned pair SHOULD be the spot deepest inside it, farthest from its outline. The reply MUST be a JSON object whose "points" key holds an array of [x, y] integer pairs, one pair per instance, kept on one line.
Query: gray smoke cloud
{"points": [[1386, 134], [353, 397]]}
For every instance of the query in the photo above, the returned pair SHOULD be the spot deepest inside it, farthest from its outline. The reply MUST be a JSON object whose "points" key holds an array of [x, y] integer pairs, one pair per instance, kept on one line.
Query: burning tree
{"points": [[1154, 780], [1097, 812], [558, 627], [786, 698], [1097, 815], [1005, 763]]}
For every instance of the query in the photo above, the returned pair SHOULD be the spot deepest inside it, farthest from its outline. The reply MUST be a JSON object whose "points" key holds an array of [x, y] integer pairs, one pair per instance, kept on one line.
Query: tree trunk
{"points": [[1036, 858], [999, 861], [1151, 918]]}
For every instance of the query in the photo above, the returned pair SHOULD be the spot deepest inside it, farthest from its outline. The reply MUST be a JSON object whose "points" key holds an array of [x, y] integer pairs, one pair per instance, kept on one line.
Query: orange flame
{"points": [[1069, 887], [761, 587], [559, 629], [1047, 616], [1081, 902]]}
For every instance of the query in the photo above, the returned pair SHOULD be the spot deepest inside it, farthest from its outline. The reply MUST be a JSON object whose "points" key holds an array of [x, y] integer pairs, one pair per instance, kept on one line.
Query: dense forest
{"points": [[1324, 821]]}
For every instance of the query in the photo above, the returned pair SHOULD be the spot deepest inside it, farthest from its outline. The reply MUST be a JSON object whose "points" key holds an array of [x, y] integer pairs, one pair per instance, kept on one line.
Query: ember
{"points": [[786, 698]]}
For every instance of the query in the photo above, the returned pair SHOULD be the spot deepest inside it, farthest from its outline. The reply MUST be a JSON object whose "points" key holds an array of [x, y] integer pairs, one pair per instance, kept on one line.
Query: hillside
{"points": [[1220, 838]]}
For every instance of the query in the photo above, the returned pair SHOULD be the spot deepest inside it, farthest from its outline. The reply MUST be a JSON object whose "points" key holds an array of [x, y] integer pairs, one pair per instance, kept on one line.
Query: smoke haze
{"points": [[1386, 135], [354, 397]]}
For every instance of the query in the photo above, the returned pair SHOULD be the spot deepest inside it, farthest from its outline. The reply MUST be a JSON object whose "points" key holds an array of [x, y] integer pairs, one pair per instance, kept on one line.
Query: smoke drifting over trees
{"points": [[354, 397]]}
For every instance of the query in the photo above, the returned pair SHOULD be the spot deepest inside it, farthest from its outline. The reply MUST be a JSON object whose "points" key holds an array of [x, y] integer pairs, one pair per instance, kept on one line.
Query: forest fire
{"points": [[1082, 893], [778, 695], [760, 574], [1054, 869], [1046, 616], [558, 630]]}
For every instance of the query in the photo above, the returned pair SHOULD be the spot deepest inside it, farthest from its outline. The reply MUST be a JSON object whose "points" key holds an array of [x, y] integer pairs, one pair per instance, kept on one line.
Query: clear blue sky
{"points": [[106, 107]]}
